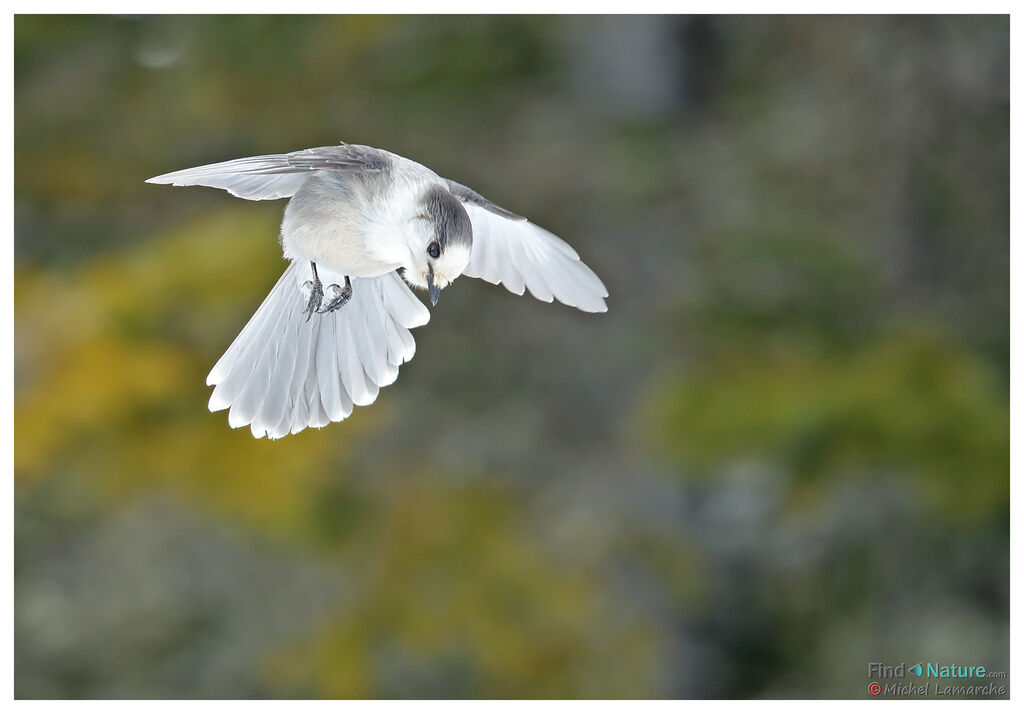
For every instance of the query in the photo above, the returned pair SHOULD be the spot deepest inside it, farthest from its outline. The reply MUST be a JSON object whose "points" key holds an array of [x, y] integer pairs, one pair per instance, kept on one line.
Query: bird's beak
{"points": [[433, 290]]}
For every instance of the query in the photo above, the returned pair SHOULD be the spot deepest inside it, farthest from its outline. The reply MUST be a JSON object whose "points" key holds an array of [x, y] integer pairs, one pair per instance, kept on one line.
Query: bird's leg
{"points": [[336, 296], [313, 291]]}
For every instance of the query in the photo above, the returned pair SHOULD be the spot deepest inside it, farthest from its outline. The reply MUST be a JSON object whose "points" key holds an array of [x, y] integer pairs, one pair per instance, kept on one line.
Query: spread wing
{"points": [[284, 373], [260, 178], [509, 250]]}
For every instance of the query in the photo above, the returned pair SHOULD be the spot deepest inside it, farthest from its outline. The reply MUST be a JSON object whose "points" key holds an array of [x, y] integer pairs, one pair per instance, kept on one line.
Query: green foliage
{"points": [[908, 405]]}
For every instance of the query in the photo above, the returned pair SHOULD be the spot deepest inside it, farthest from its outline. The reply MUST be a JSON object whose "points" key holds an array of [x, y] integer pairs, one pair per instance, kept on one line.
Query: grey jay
{"points": [[335, 327]]}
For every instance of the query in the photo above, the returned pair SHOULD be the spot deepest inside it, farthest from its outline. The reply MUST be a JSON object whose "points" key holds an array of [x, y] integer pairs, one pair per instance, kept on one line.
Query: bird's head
{"points": [[443, 241]]}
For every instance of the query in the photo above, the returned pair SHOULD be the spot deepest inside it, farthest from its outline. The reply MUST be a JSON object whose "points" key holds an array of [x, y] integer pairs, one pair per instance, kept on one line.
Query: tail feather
{"points": [[284, 373], [352, 369], [277, 402], [239, 363], [327, 373]]}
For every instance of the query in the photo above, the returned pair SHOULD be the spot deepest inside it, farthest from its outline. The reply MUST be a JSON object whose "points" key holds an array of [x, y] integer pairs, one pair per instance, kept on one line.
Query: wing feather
{"points": [[261, 178], [518, 254]]}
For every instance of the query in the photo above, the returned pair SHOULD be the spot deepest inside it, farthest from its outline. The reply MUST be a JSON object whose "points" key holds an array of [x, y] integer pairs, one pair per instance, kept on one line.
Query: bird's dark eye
{"points": [[433, 250]]}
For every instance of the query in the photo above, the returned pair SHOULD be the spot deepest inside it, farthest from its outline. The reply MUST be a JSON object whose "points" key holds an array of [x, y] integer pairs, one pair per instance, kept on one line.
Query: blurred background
{"points": [[783, 453]]}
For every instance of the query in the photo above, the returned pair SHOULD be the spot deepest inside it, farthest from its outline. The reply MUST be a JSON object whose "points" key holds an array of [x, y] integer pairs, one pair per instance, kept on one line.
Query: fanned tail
{"points": [[284, 373]]}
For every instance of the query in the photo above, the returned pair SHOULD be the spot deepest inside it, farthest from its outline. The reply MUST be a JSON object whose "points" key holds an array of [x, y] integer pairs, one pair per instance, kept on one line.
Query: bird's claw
{"points": [[336, 297], [313, 292], [320, 302]]}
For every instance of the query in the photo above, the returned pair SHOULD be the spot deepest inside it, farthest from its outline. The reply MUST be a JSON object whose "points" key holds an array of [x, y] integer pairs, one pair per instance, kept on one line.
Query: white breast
{"points": [[356, 227]]}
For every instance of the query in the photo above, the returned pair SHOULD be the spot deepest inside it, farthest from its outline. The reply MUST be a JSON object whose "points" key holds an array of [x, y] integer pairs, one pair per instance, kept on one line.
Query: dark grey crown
{"points": [[450, 218]]}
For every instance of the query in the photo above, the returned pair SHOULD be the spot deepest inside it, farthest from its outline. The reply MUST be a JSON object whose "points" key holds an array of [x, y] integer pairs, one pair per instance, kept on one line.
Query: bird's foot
{"points": [[313, 294], [336, 296]]}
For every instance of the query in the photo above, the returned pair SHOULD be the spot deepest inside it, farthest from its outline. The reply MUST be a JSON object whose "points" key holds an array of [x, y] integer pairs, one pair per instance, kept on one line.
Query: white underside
{"points": [[338, 225]]}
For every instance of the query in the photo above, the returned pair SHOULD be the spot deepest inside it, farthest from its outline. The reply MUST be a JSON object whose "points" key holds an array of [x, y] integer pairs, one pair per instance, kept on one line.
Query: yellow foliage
{"points": [[446, 577], [110, 368]]}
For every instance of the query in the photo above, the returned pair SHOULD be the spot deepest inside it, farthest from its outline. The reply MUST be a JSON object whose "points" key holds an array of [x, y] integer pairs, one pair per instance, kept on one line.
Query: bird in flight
{"points": [[335, 327]]}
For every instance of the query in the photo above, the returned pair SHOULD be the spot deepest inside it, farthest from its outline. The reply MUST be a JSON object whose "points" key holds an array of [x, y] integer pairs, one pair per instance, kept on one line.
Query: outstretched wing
{"points": [[284, 373], [260, 178], [511, 251]]}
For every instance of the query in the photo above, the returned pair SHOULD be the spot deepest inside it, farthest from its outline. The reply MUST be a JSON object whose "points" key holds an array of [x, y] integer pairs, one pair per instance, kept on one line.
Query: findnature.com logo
{"points": [[935, 680]]}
